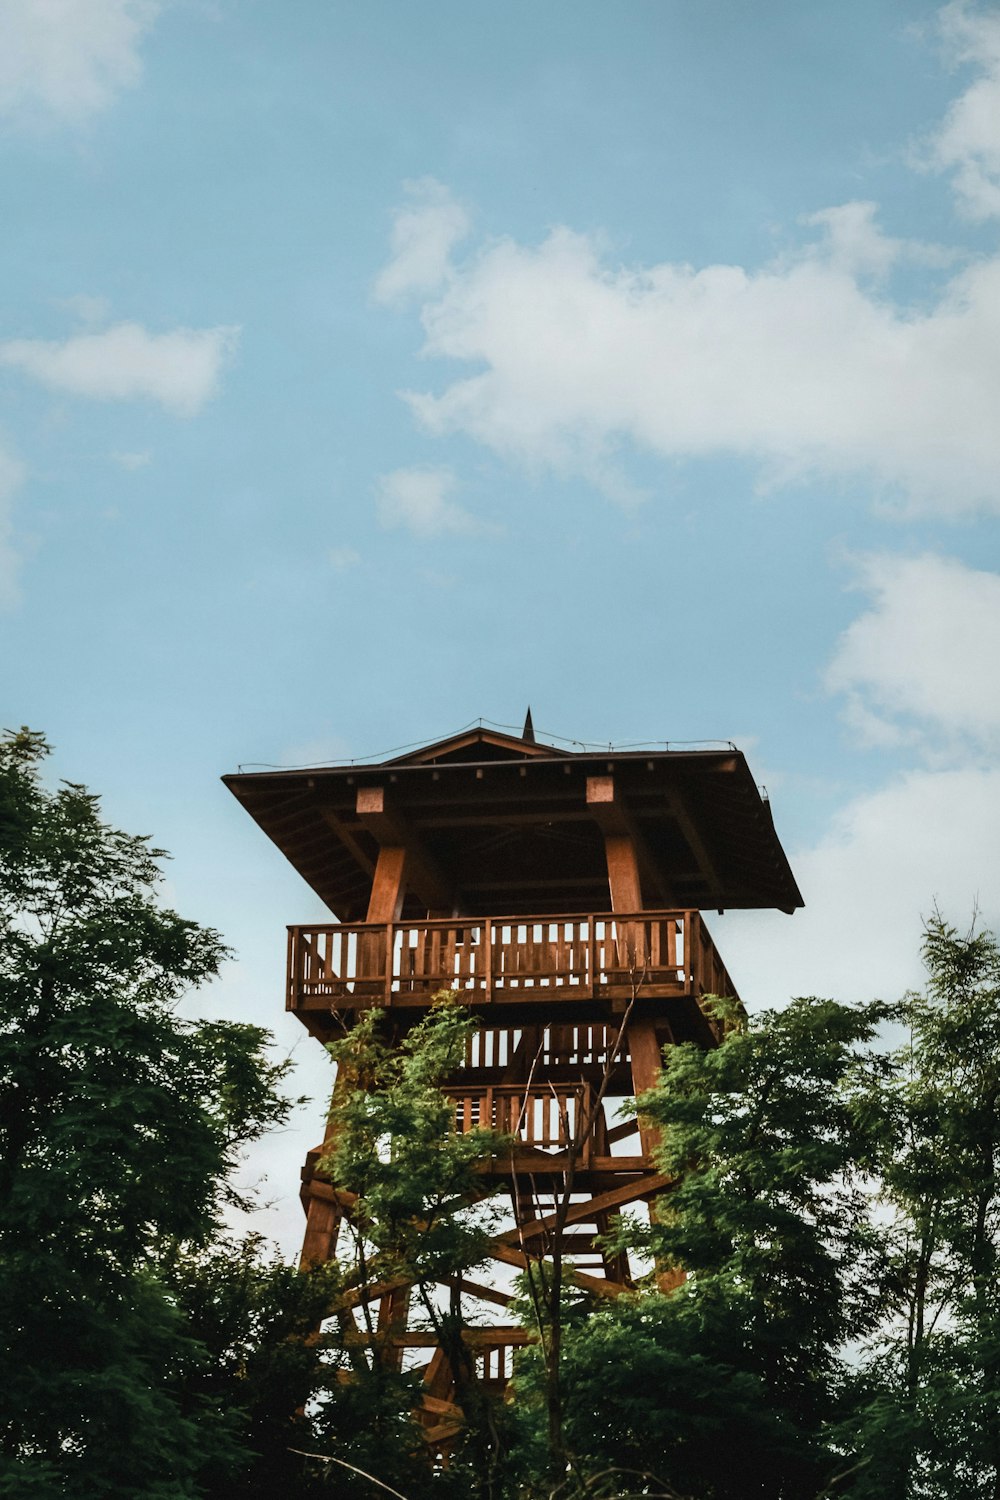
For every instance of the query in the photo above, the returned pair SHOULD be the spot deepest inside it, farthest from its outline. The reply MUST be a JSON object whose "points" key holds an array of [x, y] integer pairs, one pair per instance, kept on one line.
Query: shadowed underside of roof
{"points": [[497, 824]]}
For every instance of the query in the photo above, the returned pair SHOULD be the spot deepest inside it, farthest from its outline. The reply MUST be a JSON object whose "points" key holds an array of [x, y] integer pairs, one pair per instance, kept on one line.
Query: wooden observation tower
{"points": [[561, 894]]}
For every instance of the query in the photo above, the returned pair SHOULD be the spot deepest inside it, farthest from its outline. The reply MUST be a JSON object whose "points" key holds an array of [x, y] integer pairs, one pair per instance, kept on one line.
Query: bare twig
{"points": [[326, 1458]]}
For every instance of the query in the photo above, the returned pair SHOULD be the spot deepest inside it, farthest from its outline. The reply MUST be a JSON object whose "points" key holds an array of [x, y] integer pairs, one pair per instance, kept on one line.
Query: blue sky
{"points": [[365, 370]]}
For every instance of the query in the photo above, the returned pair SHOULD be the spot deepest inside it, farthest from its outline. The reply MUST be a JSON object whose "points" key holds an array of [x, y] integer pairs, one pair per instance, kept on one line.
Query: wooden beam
{"points": [[476, 1289], [432, 885], [580, 1213], [322, 1223], [625, 848], [623, 872], [688, 827], [348, 840], [596, 1284]]}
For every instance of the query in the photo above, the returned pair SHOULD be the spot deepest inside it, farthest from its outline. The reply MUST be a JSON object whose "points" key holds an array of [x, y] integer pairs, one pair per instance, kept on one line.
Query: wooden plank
{"points": [[628, 1192], [601, 1288], [476, 1289], [439, 1408]]}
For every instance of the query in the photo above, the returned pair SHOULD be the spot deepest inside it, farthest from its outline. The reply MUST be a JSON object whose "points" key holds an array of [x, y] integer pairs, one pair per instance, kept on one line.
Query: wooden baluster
{"points": [[448, 957], [656, 933], [584, 1106], [487, 961], [293, 982]]}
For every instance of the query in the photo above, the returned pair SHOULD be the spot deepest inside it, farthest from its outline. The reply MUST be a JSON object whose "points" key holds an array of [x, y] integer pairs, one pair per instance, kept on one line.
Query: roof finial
{"points": [[528, 732]]}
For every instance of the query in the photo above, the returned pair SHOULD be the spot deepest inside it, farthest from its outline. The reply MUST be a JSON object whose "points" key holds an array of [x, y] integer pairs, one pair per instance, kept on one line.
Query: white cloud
{"points": [[419, 499], [923, 659], [928, 837], [179, 369], [69, 58], [131, 460], [806, 367], [855, 244], [920, 663], [423, 236], [796, 366], [342, 558], [91, 311], [12, 473], [968, 142]]}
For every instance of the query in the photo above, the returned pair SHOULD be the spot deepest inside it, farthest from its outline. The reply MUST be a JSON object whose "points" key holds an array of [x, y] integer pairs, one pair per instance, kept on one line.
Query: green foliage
{"points": [[834, 1205], [420, 1218], [649, 1389], [394, 1145], [769, 1139], [119, 1124], [928, 1392], [255, 1359], [725, 1387]]}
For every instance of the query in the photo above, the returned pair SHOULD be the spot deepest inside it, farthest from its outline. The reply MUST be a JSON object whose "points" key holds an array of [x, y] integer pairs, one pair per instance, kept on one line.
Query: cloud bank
{"points": [[801, 367], [917, 668], [807, 367]]}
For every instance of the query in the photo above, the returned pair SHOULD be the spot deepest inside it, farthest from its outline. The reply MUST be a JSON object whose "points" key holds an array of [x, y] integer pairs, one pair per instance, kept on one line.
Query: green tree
{"points": [[119, 1125], [417, 1216], [255, 1362], [929, 1388], [727, 1387]]}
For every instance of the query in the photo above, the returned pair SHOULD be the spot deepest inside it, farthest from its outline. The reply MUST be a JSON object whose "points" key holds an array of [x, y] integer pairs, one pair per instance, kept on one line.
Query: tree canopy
{"points": [[833, 1205], [120, 1123]]}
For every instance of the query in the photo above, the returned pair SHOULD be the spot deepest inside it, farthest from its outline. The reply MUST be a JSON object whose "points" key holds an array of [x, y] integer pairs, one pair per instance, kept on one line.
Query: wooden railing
{"points": [[547, 1118], [503, 958]]}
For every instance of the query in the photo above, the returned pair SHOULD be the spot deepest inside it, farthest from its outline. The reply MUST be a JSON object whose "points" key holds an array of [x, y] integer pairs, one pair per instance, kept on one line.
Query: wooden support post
{"points": [[322, 1224], [323, 1213], [425, 877], [627, 850], [384, 907], [388, 888], [644, 1050], [646, 1053], [393, 1311], [623, 869]]}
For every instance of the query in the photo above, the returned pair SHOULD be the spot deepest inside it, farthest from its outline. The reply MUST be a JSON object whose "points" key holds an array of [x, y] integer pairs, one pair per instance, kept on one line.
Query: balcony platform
{"points": [[587, 966]]}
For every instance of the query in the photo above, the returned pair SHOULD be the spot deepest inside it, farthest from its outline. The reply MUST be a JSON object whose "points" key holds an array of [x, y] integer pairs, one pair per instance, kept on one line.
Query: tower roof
{"points": [[500, 824]]}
